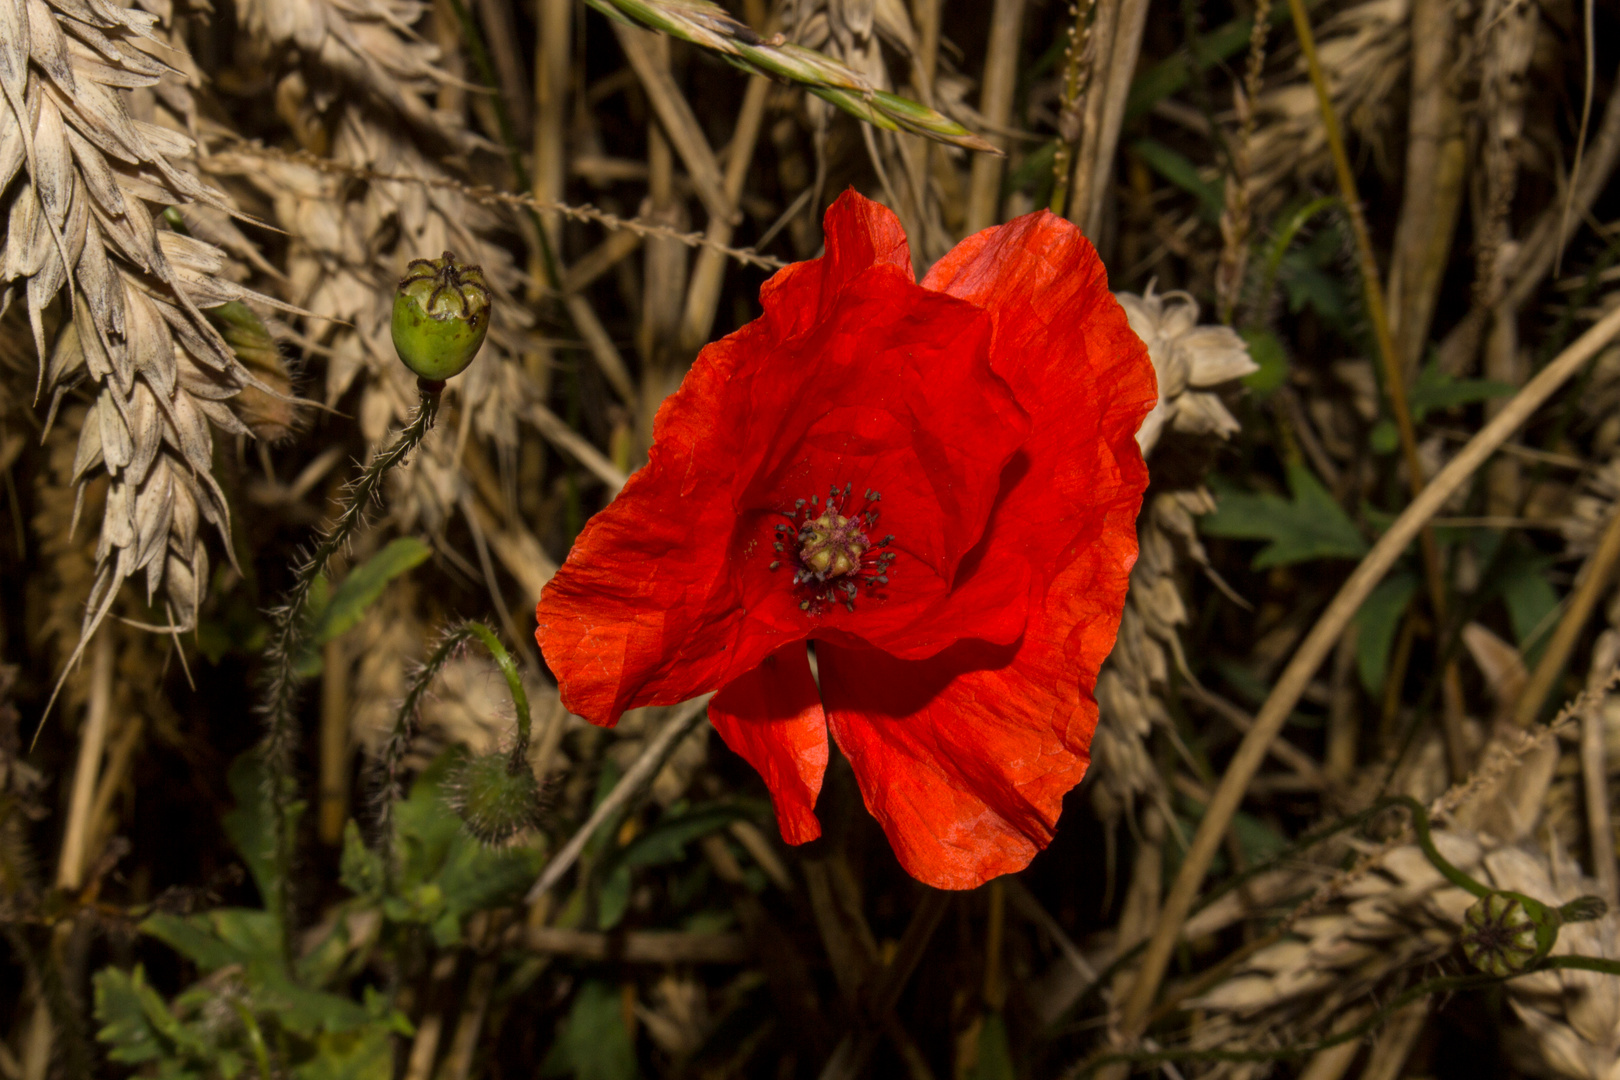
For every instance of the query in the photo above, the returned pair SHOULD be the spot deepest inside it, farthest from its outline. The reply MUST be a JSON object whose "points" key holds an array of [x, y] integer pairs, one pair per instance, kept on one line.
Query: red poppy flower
{"points": [[938, 485]]}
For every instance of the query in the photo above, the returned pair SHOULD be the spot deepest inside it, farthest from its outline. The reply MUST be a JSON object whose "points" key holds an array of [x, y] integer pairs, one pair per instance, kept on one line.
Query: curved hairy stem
{"points": [[289, 633]]}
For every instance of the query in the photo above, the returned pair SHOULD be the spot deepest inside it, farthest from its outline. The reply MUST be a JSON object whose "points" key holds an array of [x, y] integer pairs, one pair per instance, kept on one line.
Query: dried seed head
{"points": [[1499, 936], [441, 314]]}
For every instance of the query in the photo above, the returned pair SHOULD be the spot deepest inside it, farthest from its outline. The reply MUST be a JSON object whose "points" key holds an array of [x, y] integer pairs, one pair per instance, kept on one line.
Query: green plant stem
{"points": [[1581, 963], [289, 634], [514, 683], [391, 762]]}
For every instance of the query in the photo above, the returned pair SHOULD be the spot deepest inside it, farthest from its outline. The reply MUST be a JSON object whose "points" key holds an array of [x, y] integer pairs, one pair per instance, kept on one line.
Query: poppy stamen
{"points": [[835, 554]]}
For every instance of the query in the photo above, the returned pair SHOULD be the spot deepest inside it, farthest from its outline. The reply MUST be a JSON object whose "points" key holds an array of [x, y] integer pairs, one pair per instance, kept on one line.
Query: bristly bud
{"points": [[441, 314], [496, 796], [1584, 909], [1499, 936]]}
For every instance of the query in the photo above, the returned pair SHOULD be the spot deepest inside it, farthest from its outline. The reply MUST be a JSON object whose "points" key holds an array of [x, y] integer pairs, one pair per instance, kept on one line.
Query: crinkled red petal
{"points": [[853, 374], [643, 612], [1063, 344], [771, 716], [892, 392], [964, 758]]}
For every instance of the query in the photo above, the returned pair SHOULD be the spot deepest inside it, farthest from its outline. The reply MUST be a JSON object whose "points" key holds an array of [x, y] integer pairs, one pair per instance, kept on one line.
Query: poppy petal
{"points": [[642, 612], [1064, 345], [891, 394], [859, 234], [854, 374], [772, 718], [964, 758]]}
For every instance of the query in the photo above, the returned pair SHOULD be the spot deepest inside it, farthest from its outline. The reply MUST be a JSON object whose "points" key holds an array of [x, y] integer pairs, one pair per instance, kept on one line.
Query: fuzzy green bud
{"points": [[496, 796], [441, 314], [1500, 935]]}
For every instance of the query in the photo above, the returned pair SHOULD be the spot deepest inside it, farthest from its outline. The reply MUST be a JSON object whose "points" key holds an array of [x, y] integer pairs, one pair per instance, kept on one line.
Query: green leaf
{"points": [[303, 1011], [360, 870], [138, 1027], [364, 1054], [663, 843], [593, 1043], [613, 900], [1380, 614], [1267, 350], [220, 938], [366, 583], [1530, 599], [446, 875], [334, 612], [1180, 171], [1434, 390], [1170, 75], [666, 842], [1307, 527], [994, 1058], [248, 824]]}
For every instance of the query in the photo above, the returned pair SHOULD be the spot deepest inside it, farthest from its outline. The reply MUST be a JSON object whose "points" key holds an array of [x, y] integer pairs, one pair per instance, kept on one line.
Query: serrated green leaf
{"points": [[445, 874], [220, 938], [138, 1026], [1309, 526], [303, 1011], [360, 870], [1380, 614]]}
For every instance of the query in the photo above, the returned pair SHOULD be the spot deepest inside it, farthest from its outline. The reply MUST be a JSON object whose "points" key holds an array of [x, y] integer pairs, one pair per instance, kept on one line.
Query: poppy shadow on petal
{"points": [[909, 686]]}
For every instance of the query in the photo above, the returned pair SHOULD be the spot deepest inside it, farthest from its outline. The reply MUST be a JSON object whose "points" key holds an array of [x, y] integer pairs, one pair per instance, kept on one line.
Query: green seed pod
{"points": [[1499, 935], [441, 314], [496, 795]]}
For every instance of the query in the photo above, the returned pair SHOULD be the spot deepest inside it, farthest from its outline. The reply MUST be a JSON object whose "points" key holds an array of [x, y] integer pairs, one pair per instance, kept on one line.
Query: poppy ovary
{"points": [[440, 317], [833, 554], [831, 546]]}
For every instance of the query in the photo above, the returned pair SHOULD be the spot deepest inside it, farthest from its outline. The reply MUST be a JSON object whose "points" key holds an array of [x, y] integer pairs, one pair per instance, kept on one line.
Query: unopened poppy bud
{"points": [[1499, 935], [441, 314], [1584, 909], [496, 795]]}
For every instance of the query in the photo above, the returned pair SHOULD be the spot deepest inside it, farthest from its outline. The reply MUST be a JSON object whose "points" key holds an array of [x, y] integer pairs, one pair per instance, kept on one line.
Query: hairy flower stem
{"points": [[514, 683], [391, 762], [289, 633]]}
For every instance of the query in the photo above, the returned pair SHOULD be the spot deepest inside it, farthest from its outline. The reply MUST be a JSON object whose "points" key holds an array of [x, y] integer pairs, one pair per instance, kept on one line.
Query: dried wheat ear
{"points": [[105, 212]]}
